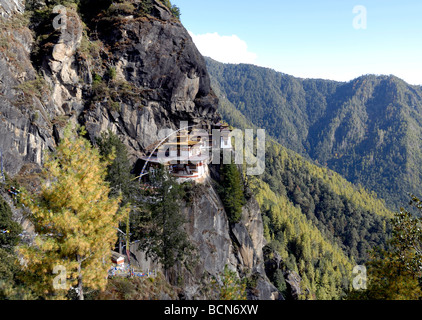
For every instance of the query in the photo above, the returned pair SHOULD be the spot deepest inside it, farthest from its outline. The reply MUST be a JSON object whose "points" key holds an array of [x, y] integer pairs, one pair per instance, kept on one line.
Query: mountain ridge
{"points": [[367, 129], [310, 78]]}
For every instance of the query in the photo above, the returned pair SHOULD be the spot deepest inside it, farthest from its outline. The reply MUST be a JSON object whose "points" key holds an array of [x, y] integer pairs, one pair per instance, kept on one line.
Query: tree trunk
{"points": [[120, 244], [80, 286]]}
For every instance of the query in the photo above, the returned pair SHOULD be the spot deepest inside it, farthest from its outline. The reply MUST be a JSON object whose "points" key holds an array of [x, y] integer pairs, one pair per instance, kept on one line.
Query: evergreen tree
{"points": [[9, 229], [161, 231], [122, 182], [232, 192], [119, 170], [232, 287], [175, 10], [75, 220]]}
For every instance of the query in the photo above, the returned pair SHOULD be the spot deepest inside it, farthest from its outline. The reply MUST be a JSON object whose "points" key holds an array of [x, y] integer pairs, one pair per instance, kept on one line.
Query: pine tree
{"points": [[232, 287], [161, 232], [232, 192], [9, 229], [119, 170], [122, 182], [75, 220]]}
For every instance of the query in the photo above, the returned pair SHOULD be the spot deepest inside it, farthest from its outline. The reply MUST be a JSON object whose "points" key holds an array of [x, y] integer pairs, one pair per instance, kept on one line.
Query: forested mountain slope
{"points": [[369, 130], [316, 223], [320, 224]]}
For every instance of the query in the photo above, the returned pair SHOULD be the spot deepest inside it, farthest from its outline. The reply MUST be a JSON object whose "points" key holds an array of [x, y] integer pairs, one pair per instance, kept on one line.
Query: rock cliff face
{"points": [[22, 136], [9, 7], [134, 74], [166, 72]]}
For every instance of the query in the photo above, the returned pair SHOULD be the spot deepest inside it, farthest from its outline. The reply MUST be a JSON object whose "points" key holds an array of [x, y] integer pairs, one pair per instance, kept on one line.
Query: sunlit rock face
{"points": [[160, 81]]}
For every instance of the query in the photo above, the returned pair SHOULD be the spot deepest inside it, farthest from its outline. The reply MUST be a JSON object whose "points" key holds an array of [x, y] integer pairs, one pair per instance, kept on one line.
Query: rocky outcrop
{"points": [[218, 244], [249, 240], [9, 7], [293, 281], [60, 69], [249, 235], [146, 76], [165, 69], [25, 116], [164, 75]]}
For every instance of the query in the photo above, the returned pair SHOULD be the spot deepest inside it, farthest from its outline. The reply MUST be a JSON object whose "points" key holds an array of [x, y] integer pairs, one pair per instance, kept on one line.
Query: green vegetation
{"points": [[112, 73], [231, 192], [146, 6], [160, 226], [232, 288], [365, 129], [320, 224], [75, 221], [348, 216], [37, 87], [123, 7], [324, 268], [11, 238], [173, 8], [395, 274], [113, 92], [122, 183], [11, 285], [119, 175]]}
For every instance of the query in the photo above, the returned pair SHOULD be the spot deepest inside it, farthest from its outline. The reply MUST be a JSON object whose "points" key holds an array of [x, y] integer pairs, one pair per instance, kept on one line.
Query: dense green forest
{"points": [[318, 222], [325, 270], [346, 215], [368, 129]]}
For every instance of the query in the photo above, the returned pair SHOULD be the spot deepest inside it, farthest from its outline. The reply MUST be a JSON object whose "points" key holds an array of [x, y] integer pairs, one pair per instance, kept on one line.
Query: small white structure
{"points": [[223, 140], [117, 259], [226, 141]]}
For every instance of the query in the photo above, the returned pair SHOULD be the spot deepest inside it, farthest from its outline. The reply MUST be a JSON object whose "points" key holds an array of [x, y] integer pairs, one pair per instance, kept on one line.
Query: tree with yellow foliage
{"points": [[232, 287], [75, 221]]}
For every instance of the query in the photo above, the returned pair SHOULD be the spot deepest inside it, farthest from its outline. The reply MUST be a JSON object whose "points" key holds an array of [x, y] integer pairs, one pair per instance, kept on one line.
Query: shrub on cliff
{"points": [[173, 8], [232, 192]]}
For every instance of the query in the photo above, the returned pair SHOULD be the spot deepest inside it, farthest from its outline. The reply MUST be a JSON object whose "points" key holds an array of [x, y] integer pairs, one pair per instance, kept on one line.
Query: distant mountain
{"points": [[306, 206], [369, 130]]}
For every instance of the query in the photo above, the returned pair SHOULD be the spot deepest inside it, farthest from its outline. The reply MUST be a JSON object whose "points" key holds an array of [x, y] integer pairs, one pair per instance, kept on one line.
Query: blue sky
{"points": [[311, 39]]}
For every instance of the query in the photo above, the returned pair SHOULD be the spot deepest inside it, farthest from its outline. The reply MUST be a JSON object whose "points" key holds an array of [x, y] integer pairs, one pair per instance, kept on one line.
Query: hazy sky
{"points": [[311, 39]]}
